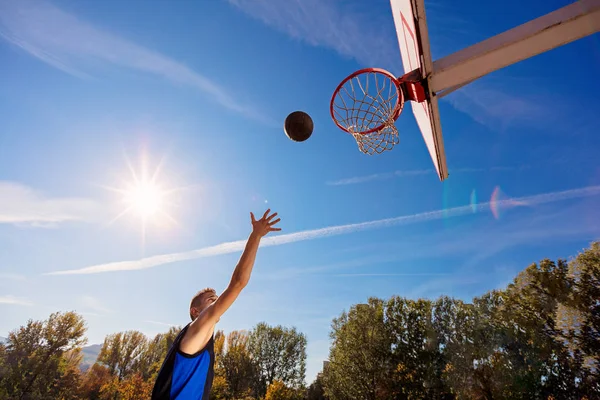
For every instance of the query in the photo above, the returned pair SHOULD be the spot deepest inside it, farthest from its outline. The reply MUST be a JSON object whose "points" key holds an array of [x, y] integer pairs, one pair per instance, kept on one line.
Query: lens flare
{"points": [[473, 201], [499, 202]]}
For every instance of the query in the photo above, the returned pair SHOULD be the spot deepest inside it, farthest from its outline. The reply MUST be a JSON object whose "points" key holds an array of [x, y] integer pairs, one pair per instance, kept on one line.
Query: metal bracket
{"points": [[413, 87]]}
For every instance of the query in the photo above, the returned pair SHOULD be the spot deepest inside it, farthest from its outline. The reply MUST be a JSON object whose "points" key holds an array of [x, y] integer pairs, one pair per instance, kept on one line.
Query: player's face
{"points": [[209, 298], [206, 300]]}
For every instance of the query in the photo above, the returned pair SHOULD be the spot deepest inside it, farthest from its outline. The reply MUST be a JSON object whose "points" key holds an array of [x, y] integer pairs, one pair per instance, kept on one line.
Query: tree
{"points": [[316, 390], [122, 353], [360, 359], [134, 387], [4, 370], [277, 390], [579, 317], [153, 353], [35, 366], [239, 370], [455, 325], [69, 385], [416, 356], [94, 380], [279, 354], [220, 388], [532, 362]]}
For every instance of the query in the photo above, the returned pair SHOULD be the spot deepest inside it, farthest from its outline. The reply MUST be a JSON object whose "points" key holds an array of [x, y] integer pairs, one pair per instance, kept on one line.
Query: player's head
{"points": [[201, 300]]}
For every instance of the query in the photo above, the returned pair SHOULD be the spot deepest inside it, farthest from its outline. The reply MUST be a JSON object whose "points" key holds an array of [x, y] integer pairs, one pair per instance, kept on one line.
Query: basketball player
{"points": [[187, 371]]}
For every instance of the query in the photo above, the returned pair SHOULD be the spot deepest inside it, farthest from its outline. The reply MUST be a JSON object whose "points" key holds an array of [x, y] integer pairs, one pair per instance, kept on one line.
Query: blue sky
{"points": [[91, 90]]}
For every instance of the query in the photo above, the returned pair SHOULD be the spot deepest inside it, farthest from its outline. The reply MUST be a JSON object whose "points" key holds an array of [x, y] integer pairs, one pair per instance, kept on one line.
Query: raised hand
{"points": [[264, 225]]}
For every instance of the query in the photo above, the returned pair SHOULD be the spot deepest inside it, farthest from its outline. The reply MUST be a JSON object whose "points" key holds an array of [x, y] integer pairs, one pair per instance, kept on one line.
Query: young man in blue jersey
{"points": [[187, 371]]}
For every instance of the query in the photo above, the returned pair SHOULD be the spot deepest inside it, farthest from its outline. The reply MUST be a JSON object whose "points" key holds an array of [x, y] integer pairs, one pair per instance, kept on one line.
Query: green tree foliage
{"points": [[153, 352], [316, 390], [39, 358], [537, 338], [279, 353], [579, 318], [122, 353], [4, 371], [239, 369], [360, 365]]}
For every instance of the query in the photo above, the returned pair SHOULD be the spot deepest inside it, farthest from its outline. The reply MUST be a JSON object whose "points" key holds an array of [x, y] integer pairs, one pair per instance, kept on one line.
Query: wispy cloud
{"points": [[11, 276], [417, 172], [89, 314], [352, 31], [93, 304], [21, 205], [160, 323], [493, 106], [380, 177], [433, 288], [231, 247], [18, 301], [366, 33], [74, 46], [359, 275]]}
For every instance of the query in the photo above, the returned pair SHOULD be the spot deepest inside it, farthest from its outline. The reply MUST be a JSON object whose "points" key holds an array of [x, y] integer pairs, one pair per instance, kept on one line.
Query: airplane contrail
{"points": [[232, 247]]}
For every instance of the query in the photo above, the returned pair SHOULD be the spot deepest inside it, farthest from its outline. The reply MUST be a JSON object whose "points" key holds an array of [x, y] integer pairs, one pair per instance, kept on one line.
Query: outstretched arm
{"points": [[200, 331]]}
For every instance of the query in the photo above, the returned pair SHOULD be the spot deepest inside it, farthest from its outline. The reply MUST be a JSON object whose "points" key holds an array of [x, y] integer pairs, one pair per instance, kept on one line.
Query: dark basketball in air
{"points": [[298, 126]]}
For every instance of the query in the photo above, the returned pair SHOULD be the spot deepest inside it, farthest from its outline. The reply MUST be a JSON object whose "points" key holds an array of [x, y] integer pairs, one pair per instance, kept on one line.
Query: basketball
{"points": [[298, 126]]}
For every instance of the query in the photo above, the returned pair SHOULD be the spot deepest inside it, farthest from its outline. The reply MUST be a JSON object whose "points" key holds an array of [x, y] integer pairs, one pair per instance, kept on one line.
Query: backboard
{"points": [[411, 29], [367, 102]]}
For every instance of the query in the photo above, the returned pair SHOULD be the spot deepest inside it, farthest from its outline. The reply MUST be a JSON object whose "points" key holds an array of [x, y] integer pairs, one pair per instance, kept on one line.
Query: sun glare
{"points": [[145, 198]]}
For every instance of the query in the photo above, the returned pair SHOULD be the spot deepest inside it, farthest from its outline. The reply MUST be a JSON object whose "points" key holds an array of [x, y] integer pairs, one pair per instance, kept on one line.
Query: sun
{"points": [[145, 198], [146, 195]]}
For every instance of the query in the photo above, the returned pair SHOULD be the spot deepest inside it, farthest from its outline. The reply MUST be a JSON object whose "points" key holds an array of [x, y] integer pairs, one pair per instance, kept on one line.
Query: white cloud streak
{"points": [[13, 300], [417, 172], [380, 177], [231, 247], [65, 42], [21, 205]]}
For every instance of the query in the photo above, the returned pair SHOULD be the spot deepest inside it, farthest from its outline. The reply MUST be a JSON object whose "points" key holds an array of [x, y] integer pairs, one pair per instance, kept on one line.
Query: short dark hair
{"points": [[196, 299]]}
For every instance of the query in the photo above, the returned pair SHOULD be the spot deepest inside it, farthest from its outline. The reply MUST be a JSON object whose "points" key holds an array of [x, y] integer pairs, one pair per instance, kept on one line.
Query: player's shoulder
{"points": [[198, 337]]}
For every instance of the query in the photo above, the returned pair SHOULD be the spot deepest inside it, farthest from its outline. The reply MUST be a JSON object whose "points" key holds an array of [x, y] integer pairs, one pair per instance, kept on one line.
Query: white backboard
{"points": [[411, 28]]}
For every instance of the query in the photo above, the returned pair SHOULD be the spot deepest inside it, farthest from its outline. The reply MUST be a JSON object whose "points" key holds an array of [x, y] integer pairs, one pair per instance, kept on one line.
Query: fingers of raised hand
{"points": [[266, 213], [271, 223], [270, 217], [252, 217], [267, 222]]}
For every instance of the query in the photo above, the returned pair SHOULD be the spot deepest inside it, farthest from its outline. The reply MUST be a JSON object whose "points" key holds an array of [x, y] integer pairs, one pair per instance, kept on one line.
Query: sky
{"points": [[96, 97]]}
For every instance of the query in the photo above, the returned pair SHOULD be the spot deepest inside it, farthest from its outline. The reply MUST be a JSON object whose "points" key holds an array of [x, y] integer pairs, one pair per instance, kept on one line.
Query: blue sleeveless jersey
{"points": [[185, 376]]}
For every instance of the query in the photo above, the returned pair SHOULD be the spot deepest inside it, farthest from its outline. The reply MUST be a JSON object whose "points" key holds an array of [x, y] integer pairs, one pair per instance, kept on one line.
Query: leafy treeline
{"points": [[537, 339], [41, 360]]}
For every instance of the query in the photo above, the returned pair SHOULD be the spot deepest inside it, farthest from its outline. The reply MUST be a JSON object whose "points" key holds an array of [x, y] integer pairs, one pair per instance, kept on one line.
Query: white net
{"points": [[366, 106]]}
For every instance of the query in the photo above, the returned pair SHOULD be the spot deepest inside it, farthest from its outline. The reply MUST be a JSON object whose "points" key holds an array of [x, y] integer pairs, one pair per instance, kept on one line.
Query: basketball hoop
{"points": [[366, 105]]}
